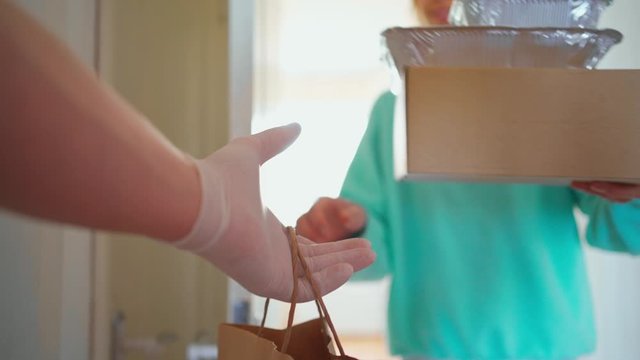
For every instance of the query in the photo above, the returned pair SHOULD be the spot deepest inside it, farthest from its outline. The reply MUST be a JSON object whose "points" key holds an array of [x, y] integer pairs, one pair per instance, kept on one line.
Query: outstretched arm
{"points": [[72, 150]]}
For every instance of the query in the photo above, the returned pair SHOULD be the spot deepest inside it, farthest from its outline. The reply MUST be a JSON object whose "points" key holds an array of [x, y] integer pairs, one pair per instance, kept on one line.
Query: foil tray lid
{"points": [[527, 13]]}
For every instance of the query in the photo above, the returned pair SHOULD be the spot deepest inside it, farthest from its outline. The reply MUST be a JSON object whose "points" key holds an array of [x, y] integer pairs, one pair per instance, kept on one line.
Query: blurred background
{"points": [[205, 71]]}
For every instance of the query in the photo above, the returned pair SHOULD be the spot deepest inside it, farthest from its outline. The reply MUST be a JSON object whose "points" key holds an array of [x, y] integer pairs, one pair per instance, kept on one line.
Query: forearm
{"points": [[71, 150]]}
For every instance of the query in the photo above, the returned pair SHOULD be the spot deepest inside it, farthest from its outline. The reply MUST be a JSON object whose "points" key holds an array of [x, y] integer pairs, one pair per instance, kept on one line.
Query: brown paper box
{"points": [[518, 125]]}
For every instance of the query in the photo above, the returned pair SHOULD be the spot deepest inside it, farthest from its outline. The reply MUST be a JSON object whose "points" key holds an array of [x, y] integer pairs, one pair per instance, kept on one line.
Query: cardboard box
{"points": [[518, 125]]}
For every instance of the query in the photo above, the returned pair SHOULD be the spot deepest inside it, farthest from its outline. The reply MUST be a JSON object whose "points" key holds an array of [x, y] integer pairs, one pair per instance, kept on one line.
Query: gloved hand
{"points": [[331, 220], [246, 241]]}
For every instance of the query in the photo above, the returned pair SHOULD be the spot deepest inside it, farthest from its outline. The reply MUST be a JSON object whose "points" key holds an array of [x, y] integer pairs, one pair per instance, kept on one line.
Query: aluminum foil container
{"points": [[496, 47], [527, 13]]}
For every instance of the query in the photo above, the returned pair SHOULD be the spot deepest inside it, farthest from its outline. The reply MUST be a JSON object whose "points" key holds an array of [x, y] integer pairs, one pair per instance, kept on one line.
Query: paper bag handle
{"points": [[322, 309]]}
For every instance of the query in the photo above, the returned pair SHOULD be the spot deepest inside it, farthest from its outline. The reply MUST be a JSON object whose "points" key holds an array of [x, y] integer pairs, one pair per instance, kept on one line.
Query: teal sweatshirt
{"points": [[480, 270]]}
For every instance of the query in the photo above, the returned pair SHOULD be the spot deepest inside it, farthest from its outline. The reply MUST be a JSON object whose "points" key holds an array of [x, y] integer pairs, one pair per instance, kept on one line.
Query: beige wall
{"points": [[169, 59]]}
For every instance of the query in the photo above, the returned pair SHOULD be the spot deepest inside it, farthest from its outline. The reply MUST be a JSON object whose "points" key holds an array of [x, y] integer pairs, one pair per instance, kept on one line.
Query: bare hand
{"points": [[331, 220], [616, 192]]}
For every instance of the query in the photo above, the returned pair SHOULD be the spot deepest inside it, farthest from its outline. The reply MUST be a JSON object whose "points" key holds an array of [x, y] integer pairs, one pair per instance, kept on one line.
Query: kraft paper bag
{"points": [[310, 340]]}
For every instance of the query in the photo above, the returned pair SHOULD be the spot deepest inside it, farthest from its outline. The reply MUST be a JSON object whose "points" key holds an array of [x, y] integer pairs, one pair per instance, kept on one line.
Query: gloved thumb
{"points": [[273, 141]]}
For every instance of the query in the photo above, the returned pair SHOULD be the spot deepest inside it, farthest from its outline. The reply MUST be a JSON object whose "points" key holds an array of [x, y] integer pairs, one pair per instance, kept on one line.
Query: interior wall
{"points": [[169, 59]]}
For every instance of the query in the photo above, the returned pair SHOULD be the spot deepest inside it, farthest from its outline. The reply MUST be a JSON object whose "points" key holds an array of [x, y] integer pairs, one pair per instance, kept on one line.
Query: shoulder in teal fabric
{"points": [[479, 270]]}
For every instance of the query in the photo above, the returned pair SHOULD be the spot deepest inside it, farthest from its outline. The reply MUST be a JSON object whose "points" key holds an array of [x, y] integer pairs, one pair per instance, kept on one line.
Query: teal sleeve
{"points": [[366, 185], [612, 226]]}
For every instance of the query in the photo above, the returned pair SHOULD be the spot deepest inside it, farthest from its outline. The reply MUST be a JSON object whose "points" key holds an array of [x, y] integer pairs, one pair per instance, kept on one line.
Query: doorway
{"points": [[318, 63]]}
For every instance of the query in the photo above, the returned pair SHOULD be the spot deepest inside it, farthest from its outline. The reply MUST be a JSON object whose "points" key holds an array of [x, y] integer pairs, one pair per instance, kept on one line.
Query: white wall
{"points": [[45, 268]]}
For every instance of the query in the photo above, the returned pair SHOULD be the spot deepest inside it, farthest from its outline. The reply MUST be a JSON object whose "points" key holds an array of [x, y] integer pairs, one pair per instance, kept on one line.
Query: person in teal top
{"points": [[479, 270]]}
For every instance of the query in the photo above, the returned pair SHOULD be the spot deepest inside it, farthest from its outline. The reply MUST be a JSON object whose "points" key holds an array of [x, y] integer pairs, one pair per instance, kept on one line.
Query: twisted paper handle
{"points": [[322, 309]]}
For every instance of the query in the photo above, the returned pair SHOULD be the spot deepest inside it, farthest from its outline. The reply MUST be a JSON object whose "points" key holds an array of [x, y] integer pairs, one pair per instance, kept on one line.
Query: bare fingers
{"points": [[617, 192]]}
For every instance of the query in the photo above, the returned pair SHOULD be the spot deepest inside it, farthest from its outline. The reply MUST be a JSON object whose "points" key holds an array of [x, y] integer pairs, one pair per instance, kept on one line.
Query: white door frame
{"points": [[241, 40]]}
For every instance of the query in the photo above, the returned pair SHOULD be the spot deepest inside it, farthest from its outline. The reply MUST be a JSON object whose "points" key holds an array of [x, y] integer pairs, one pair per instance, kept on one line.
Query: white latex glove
{"points": [[246, 241]]}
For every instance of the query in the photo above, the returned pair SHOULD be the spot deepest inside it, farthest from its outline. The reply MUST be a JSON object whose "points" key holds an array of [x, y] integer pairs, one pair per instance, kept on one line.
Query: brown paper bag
{"points": [[306, 341]]}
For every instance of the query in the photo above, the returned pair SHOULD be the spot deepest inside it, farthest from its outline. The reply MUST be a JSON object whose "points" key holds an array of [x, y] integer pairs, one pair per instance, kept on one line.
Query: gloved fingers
{"points": [[358, 258], [309, 248], [270, 143], [327, 280], [302, 240]]}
